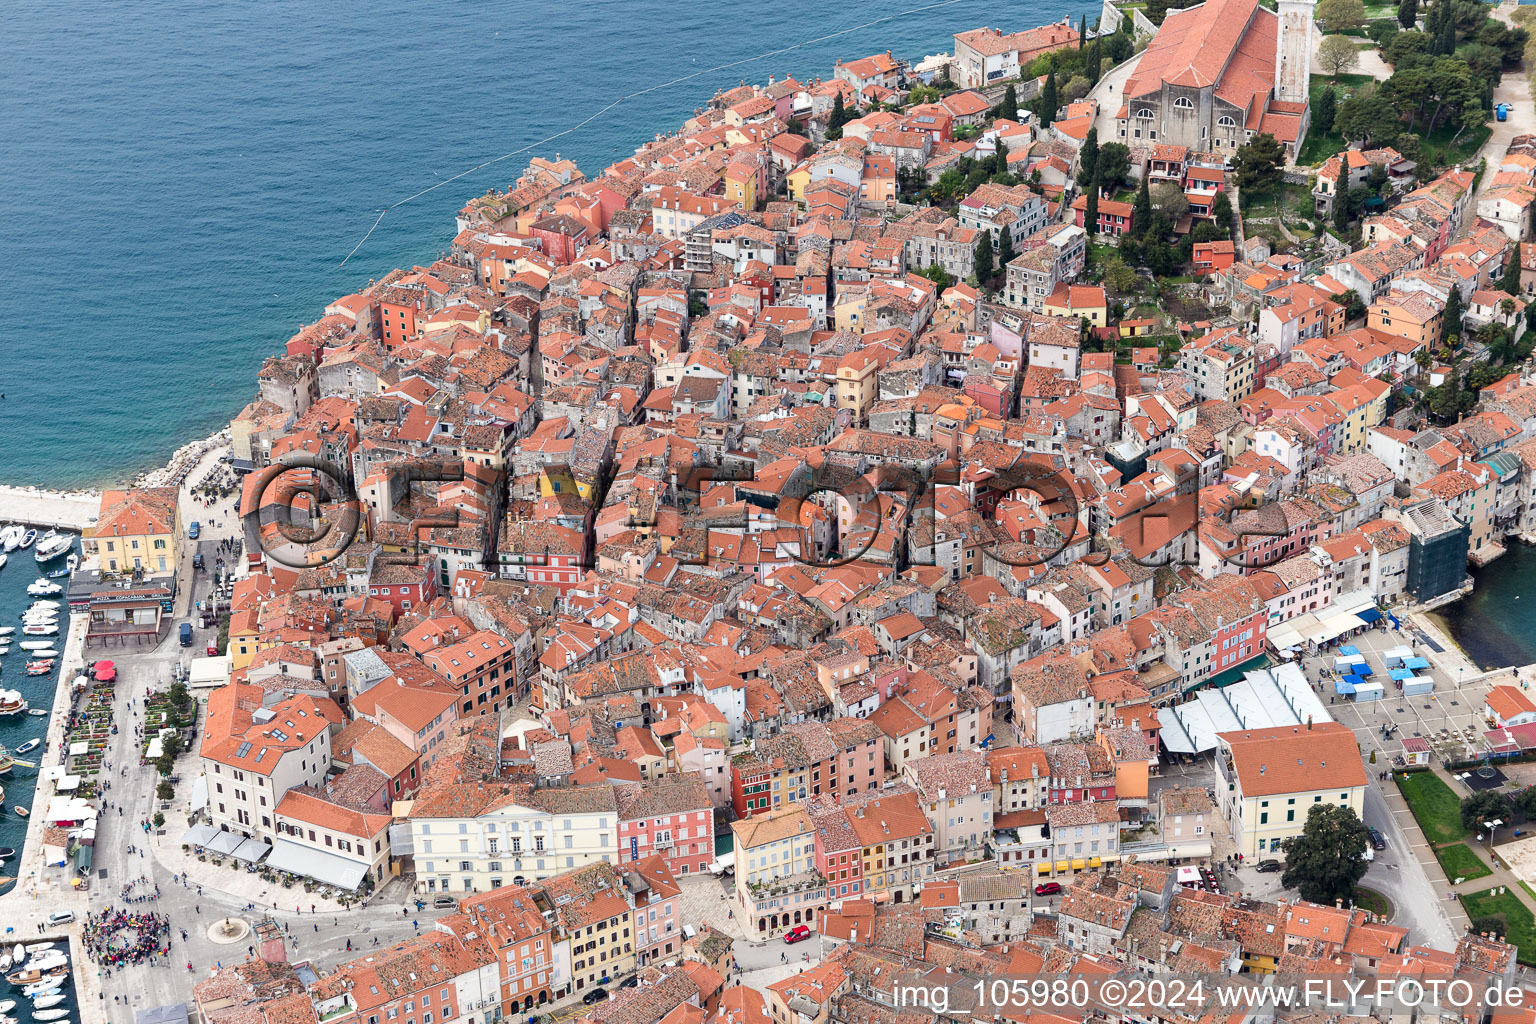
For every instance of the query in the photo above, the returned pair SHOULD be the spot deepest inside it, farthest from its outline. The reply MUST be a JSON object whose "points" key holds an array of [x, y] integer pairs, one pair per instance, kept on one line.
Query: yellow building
{"points": [[595, 918], [858, 376], [1085, 300], [1411, 315], [741, 185], [136, 531], [244, 636], [1270, 779], [1364, 406], [848, 313], [797, 181], [898, 845], [775, 869]]}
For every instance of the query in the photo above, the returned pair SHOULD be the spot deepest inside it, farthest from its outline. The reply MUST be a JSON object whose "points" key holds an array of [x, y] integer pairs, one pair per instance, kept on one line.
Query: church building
{"points": [[1218, 74]]}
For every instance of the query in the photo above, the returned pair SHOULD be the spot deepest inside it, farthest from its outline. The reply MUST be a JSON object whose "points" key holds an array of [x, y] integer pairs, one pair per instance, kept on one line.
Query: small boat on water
{"points": [[45, 654], [19, 952], [43, 1002], [57, 1013], [44, 604], [7, 630], [35, 713], [59, 573], [41, 587], [34, 668], [72, 562], [29, 746], [36, 645], [46, 987], [38, 947], [11, 701], [7, 1005], [41, 629], [10, 537], [32, 975], [27, 538], [3, 559], [52, 544], [22, 812]]}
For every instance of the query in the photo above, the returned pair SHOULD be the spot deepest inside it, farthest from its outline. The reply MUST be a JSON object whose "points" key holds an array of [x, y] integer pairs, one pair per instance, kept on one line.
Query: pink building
{"points": [[671, 816]]}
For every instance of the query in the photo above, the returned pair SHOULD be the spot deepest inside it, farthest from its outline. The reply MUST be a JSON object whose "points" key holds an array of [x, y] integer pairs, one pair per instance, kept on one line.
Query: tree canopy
{"points": [[1327, 860], [1487, 805], [1337, 55], [1341, 15], [1114, 164], [1259, 162]]}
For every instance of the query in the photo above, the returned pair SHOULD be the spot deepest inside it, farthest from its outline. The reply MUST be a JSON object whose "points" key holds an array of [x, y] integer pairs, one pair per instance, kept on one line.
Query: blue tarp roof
{"points": [[1344, 686], [1415, 663], [1395, 623], [1361, 669], [1401, 673], [1349, 649], [1369, 615]]}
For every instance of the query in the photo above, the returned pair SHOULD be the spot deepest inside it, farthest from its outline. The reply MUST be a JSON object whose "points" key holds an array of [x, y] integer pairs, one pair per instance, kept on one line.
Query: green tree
{"points": [[1526, 801], [1451, 323], [984, 257], [1171, 201], [938, 275], [1445, 39], [1382, 33], [165, 791], [1407, 48], [1323, 109], [1114, 164], [1088, 158], [1118, 277], [1049, 101], [1366, 117], [1221, 212], [1341, 15], [837, 118], [1341, 216], [1337, 55], [795, 127], [1141, 209], [1010, 105], [1005, 252], [1482, 806], [1408, 13], [1091, 214], [1327, 860], [1259, 163], [1510, 282]]}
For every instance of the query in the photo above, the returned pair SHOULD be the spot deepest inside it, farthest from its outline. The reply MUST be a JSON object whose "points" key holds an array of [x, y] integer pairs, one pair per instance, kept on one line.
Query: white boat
{"points": [[36, 645], [44, 654], [46, 987], [43, 1002], [7, 1005], [38, 947], [41, 629], [3, 560], [7, 630], [29, 746], [45, 604], [47, 960], [10, 537], [20, 952], [51, 545], [11, 701], [38, 712], [27, 538], [42, 587], [58, 1013]]}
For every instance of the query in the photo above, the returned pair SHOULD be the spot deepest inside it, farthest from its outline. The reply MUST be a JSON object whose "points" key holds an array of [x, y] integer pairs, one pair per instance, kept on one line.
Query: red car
{"points": [[1047, 888], [797, 933]]}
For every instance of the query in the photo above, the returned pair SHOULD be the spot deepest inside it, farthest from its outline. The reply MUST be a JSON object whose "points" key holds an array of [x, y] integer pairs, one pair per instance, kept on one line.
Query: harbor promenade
{"points": [[72, 511]]}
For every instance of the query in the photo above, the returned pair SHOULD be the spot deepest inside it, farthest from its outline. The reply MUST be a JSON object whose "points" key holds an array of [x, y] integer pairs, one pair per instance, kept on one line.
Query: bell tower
{"points": [[1293, 50]]}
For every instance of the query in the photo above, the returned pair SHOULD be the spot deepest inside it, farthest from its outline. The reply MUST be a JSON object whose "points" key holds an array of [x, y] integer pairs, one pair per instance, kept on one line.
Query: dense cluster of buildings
{"points": [[674, 512]]}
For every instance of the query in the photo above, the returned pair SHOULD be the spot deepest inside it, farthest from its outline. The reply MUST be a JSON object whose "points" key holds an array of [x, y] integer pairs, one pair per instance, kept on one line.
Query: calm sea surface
{"points": [[1496, 625], [178, 182]]}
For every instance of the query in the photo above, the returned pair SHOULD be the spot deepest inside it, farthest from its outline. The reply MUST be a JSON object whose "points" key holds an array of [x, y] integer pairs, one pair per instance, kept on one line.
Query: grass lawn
{"points": [[1459, 861], [1434, 806], [1519, 925], [1439, 149], [1373, 901]]}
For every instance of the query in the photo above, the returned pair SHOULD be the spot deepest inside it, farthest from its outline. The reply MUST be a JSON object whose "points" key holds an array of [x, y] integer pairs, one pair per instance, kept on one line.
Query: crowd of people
{"points": [[118, 938], [140, 890]]}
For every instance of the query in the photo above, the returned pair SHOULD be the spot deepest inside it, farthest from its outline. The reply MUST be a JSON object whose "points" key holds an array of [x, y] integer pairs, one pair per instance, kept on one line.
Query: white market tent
{"points": [[1329, 623], [1262, 699]]}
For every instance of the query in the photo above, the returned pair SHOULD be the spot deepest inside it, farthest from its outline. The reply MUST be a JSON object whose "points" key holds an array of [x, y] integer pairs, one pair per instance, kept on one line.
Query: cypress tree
{"points": [[984, 256], [1088, 158], [1452, 323], [1049, 101], [1510, 282], [1082, 33], [839, 116], [1408, 13], [1141, 210], [1010, 104], [1091, 214]]}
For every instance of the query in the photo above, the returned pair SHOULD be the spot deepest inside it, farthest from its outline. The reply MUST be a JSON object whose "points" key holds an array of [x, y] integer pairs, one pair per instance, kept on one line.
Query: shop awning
{"points": [[224, 842], [198, 835], [1343, 687], [1400, 673], [199, 798], [251, 851], [294, 858], [1370, 615], [1043, 868], [1416, 663]]}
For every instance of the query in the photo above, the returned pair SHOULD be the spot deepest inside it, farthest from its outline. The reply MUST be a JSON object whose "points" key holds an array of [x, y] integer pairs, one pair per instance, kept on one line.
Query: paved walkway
{"points": [[36, 507], [1514, 88]]}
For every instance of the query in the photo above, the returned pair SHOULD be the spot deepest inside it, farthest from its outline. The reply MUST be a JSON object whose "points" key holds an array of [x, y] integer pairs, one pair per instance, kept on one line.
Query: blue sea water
{"points": [[179, 181]]}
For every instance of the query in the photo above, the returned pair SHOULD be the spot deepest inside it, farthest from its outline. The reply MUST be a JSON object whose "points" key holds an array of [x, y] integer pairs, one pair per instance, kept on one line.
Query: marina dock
{"points": [[72, 511]]}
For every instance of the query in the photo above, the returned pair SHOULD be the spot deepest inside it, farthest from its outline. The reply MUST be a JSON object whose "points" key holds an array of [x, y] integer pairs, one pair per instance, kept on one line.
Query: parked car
{"points": [[194, 530], [1268, 865], [444, 901], [1047, 888], [630, 982], [797, 933], [597, 995], [1378, 840], [59, 917]]}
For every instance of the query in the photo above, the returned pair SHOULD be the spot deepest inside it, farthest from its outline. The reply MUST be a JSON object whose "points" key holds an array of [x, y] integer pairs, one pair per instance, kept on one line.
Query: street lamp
{"points": [[1492, 827]]}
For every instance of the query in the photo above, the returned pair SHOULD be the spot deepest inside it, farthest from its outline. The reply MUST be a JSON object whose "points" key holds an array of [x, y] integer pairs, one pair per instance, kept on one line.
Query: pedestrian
{"points": [[198, 908], [317, 929]]}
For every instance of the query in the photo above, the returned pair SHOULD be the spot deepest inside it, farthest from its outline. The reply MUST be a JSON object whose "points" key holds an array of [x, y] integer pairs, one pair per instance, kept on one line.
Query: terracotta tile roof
{"points": [[1295, 759]]}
